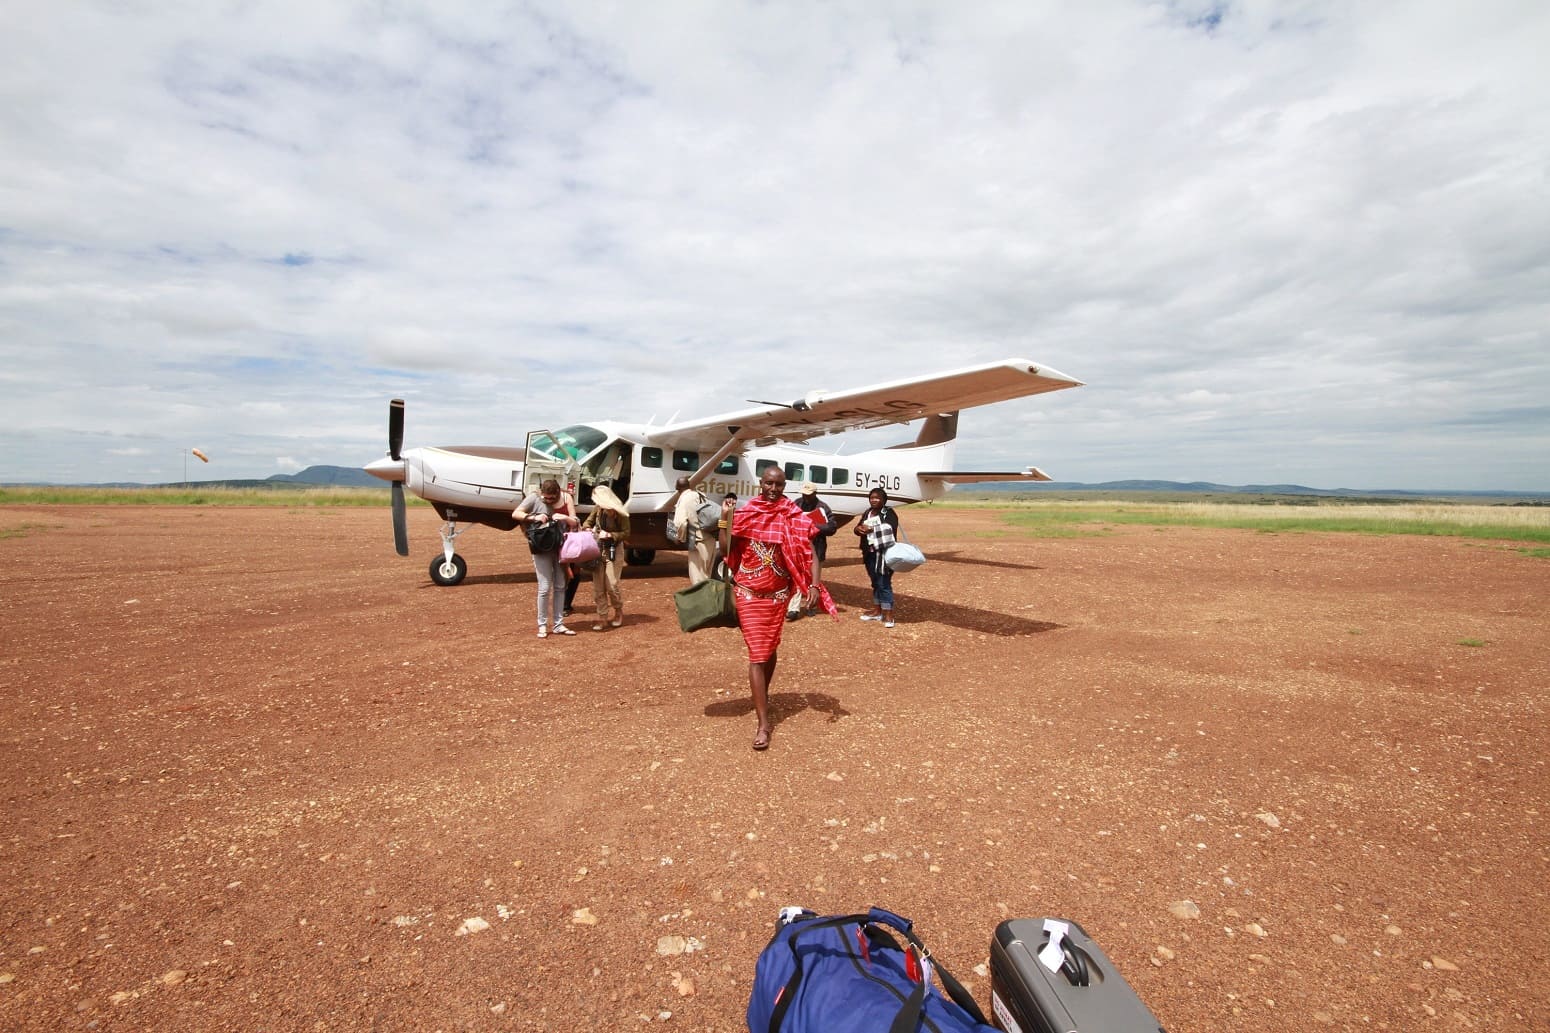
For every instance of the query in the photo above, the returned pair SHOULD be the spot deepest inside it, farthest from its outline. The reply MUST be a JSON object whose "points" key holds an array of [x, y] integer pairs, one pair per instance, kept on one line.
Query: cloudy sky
{"points": [[1281, 242]]}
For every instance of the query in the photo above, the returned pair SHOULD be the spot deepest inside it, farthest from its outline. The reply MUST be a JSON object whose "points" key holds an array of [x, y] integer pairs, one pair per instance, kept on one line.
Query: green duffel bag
{"points": [[705, 605]]}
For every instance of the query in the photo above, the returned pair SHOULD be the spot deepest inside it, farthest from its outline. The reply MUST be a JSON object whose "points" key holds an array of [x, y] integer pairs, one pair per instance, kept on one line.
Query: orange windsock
{"points": [[200, 455]]}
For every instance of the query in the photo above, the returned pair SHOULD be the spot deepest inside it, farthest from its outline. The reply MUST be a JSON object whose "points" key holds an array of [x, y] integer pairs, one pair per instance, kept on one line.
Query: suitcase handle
{"points": [[1074, 965]]}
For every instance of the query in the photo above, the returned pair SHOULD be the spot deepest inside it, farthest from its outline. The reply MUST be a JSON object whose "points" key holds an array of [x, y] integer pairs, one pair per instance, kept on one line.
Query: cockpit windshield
{"points": [[581, 456], [569, 443]]}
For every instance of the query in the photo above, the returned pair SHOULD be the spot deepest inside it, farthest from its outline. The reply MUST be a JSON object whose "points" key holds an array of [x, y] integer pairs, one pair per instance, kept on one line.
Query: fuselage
{"points": [[483, 484]]}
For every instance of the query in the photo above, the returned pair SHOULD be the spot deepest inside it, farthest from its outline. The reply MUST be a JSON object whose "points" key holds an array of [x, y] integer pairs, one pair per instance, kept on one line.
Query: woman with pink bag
{"points": [[549, 505]]}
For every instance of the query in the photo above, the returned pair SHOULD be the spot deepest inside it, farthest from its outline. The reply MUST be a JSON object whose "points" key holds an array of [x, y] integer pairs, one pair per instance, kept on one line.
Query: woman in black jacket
{"points": [[878, 528]]}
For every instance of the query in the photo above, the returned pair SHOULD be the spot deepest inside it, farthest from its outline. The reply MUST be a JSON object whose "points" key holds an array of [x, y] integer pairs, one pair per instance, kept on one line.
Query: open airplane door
{"points": [[548, 458]]}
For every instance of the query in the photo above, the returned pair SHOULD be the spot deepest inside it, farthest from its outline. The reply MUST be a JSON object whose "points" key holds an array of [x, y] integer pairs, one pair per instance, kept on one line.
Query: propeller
{"points": [[395, 427], [395, 443]]}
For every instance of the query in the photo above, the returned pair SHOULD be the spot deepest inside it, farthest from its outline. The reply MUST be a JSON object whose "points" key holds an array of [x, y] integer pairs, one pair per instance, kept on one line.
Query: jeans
{"points": [[882, 579], [551, 587]]}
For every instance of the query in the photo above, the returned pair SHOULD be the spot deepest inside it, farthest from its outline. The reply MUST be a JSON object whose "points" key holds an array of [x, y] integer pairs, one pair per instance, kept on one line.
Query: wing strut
{"points": [[733, 444]]}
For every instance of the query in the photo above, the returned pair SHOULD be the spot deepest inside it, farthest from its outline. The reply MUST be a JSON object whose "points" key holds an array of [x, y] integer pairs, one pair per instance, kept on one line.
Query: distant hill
{"points": [[318, 476], [334, 476]]}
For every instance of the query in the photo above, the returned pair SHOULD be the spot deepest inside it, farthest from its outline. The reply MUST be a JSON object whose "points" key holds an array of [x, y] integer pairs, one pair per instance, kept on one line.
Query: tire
{"points": [[448, 574], [639, 557]]}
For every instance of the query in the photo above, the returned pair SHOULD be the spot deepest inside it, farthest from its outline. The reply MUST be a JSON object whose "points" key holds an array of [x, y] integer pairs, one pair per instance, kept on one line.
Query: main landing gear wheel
{"points": [[639, 557], [448, 572]]}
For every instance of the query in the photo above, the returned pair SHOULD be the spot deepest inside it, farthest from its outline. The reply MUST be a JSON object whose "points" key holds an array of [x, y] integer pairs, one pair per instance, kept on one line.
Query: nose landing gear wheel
{"points": [[448, 572], [639, 557]]}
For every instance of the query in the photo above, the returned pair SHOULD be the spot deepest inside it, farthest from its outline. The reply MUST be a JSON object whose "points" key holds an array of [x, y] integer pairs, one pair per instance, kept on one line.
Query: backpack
{"points": [[708, 516], [846, 974]]}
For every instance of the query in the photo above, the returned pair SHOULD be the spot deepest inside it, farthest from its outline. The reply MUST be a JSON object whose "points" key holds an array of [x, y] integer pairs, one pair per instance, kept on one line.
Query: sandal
{"points": [[761, 739]]}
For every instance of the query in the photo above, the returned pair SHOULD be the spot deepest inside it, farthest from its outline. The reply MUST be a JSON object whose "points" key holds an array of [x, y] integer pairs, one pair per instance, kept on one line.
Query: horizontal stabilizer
{"points": [[1033, 473]]}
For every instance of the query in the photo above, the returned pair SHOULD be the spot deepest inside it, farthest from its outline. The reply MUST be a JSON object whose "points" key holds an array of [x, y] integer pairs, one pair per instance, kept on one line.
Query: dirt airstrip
{"points": [[260, 774]]}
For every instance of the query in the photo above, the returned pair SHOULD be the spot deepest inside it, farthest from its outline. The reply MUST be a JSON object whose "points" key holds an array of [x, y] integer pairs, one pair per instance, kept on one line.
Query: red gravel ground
{"points": [[261, 774]]}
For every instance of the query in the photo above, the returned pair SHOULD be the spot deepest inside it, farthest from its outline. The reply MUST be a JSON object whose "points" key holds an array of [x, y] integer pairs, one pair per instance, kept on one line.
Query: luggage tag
{"points": [[1054, 955], [917, 964]]}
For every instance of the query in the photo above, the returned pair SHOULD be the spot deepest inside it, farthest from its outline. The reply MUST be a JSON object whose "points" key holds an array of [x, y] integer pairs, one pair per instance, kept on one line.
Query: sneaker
{"points": [[543, 632], [597, 627], [871, 616], [888, 623], [560, 629], [617, 622]]}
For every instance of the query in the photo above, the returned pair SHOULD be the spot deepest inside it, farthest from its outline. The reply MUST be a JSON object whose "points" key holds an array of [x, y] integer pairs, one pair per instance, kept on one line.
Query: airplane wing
{"points": [[818, 413], [1033, 473]]}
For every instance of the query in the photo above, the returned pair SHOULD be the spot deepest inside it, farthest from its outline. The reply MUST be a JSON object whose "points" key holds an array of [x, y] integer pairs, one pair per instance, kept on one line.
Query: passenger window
{"points": [[651, 457], [728, 466], [761, 466], [685, 461], [818, 474], [794, 472], [841, 475]]}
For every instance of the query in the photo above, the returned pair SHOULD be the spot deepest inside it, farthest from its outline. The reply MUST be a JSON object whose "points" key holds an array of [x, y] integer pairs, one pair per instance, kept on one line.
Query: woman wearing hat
{"points": [[610, 521], [818, 512]]}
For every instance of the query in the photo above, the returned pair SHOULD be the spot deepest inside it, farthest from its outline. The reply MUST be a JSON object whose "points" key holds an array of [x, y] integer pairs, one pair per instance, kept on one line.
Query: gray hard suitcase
{"points": [[1084, 994]]}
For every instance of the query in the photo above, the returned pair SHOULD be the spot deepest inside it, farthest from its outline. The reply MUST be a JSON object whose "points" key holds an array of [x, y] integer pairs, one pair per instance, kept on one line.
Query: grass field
{"points": [[1506, 523], [198, 496], [1036, 517]]}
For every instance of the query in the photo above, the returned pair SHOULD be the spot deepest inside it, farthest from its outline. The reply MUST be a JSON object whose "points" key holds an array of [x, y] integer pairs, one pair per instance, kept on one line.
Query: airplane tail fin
{"points": [[937, 429], [942, 429]]}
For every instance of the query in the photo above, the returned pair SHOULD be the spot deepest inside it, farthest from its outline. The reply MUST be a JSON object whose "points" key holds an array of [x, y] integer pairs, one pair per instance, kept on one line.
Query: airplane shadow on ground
{"points": [[528, 577], [947, 557], [914, 610], [782, 706], [511, 578]]}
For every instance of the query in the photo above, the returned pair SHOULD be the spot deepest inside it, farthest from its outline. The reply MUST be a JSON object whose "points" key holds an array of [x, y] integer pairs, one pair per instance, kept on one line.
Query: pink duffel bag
{"points": [[579, 547]]}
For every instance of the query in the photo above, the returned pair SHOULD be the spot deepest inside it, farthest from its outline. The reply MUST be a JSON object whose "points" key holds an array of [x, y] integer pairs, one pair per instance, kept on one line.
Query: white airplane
{"points": [[476, 484]]}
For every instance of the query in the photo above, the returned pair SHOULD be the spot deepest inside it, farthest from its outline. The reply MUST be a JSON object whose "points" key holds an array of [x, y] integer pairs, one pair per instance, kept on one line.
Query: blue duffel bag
{"points": [[847, 974]]}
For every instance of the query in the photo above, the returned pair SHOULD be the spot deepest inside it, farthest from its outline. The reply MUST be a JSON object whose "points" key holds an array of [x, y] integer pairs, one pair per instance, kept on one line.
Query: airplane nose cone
{"points": [[387, 468]]}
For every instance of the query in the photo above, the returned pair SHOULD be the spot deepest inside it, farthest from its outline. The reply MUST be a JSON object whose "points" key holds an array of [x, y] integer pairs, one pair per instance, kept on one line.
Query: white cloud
{"points": [[1281, 241]]}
